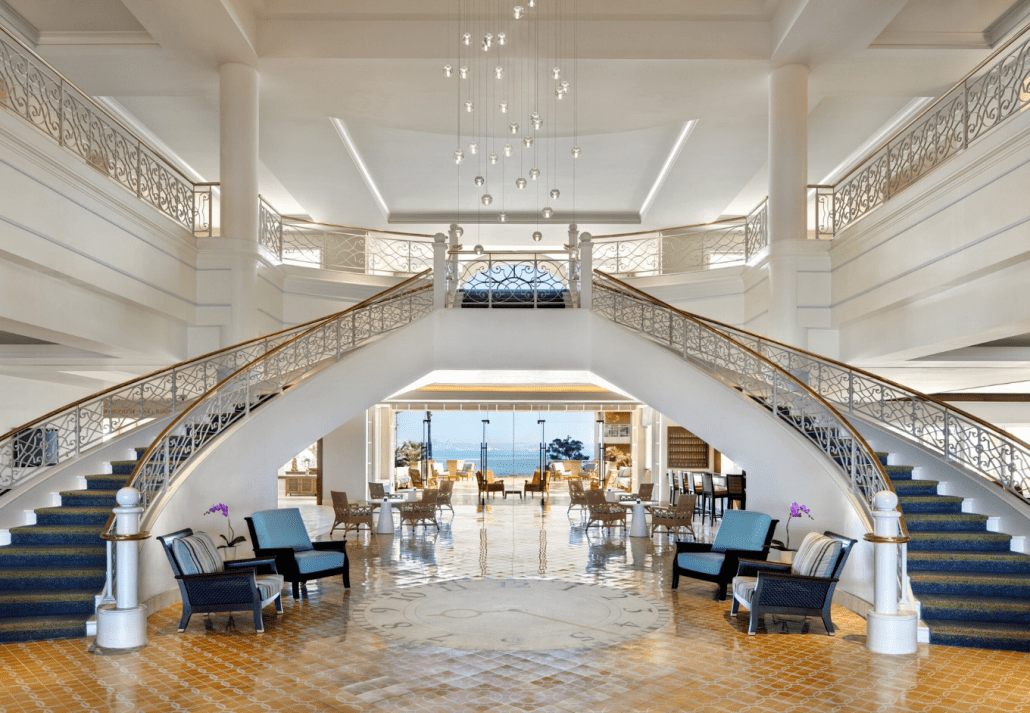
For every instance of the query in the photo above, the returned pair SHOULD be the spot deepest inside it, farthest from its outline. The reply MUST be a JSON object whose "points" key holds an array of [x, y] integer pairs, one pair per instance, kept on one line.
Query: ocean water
{"points": [[500, 462]]}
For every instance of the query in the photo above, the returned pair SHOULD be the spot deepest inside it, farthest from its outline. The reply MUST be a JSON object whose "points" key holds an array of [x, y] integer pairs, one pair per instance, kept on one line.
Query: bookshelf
{"points": [[685, 450]]}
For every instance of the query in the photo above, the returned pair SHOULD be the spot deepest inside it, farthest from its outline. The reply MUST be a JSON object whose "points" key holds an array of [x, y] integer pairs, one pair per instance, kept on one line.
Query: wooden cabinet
{"points": [[685, 450], [301, 485]]}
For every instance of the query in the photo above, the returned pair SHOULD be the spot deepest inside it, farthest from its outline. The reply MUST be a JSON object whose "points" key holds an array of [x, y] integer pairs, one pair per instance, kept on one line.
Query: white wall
{"points": [[26, 399], [343, 459]]}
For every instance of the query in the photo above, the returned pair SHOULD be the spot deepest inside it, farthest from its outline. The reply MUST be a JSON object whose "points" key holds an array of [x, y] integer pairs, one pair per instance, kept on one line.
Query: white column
{"points": [[238, 172], [439, 271], [586, 271], [889, 630], [788, 177]]}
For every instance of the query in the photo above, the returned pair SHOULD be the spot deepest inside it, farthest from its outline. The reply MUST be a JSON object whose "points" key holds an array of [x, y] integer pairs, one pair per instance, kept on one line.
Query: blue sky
{"points": [[463, 430]]}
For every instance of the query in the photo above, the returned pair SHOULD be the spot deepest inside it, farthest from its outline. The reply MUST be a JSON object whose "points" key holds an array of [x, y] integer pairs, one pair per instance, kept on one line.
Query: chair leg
{"points": [[735, 607], [346, 571], [827, 621], [296, 590], [675, 578], [187, 612], [722, 592], [259, 623], [279, 603], [752, 627]]}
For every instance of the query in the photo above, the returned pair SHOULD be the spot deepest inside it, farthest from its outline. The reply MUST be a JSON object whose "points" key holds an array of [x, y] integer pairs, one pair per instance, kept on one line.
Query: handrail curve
{"points": [[285, 365], [755, 375]]}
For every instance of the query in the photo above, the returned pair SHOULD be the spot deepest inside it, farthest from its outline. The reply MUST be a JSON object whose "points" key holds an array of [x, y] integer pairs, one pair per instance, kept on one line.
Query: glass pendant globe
{"points": [[487, 199], [532, 3], [503, 106], [559, 94], [463, 72], [513, 128], [537, 121], [517, 12], [502, 38], [537, 236], [468, 106], [459, 231], [556, 72], [466, 39], [499, 72], [447, 70], [534, 173], [473, 148], [493, 158], [479, 180], [576, 151], [555, 193], [508, 150], [520, 183], [459, 156], [565, 86], [528, 142], [478, 250], [547, 212], [502, 216]]}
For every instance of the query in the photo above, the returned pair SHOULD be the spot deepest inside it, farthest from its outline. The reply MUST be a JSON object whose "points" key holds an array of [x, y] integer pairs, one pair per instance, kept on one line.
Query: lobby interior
{"points": [[789, 242]]}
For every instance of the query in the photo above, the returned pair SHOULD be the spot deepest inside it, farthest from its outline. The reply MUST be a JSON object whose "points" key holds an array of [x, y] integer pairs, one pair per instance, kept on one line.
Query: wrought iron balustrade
{"points": [[292, 360], [31, 88], [512, 279], [951, 433], [723, 243], [995, 91]]}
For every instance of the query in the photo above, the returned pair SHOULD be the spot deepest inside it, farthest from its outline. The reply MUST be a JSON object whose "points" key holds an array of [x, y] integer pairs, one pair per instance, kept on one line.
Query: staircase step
{"points": [[72, 515], [122, 467], [960, 541], [898, 472], [983, 635], [140, 452], [929, 504], [882, 455], [914, 488], [969, 562], [53, 578], [105, 482], [952, 522], [959, 607], [970, 584], [56, 534], [53, 556], [42, 628], [28, 602], [89, 498]]}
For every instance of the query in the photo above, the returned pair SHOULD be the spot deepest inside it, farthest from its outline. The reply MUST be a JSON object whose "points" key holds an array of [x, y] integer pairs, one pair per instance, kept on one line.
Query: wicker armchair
{"points": [[577, 495], [281, 534], [603, 512], [443, 497], [208, 586], [420, 512], [487, 484], [644, 492], [416, 479], [376, 493], [677, 518], [350, 515], [539, 484], [742, 535], [804, 587]]}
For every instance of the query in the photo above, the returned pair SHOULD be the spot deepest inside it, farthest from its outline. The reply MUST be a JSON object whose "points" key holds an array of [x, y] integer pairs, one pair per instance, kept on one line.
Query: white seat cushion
{"points": [[269, 585], [744, 589]]}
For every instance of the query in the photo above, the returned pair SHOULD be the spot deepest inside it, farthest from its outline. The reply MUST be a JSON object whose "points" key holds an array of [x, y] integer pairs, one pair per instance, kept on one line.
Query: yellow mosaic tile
{"points": [[316, 657]]}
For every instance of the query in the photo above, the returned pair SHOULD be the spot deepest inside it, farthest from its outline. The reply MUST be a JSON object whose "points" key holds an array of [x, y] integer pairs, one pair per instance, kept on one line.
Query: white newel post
{"points": [[889, 630], [439, 271], [123, 625], [586, 272]]}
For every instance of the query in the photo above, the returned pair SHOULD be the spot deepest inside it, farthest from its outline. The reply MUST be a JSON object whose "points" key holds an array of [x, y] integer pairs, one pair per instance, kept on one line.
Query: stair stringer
{"points": [[239, 467], [42, 490], [986, 497]]}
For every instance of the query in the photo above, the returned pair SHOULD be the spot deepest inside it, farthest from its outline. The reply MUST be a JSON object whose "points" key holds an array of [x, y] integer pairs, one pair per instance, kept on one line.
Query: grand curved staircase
{"points": [[973, 589]]}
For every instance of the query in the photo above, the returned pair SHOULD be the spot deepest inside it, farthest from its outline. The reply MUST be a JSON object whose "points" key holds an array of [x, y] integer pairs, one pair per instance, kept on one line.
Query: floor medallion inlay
{"points": [[512, 614]]}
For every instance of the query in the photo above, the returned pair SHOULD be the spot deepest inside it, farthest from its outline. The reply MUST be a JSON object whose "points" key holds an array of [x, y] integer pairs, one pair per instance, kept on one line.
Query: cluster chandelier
{"points": [[515, 66]]}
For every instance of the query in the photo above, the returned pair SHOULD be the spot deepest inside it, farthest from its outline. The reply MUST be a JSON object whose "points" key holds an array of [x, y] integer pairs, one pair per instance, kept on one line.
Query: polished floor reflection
{"points": [[315, 657]]}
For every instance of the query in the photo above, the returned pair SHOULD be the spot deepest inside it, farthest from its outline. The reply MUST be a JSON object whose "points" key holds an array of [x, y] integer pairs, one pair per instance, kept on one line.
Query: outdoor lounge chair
{"points": [[281, 534], [539, 483]]}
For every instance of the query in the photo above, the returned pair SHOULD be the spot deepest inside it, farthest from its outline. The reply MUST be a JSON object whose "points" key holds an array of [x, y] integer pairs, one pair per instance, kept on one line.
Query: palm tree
{"points": [[408, 453]]}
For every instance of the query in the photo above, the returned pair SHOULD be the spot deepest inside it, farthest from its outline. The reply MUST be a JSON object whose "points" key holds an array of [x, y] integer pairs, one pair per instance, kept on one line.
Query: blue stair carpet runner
{"points": [[52, 571], [973, 589]]}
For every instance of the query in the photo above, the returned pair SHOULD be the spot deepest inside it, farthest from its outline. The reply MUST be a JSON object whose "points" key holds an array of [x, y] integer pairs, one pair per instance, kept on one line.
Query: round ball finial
{"points": [[127, 497], [885, 500]]}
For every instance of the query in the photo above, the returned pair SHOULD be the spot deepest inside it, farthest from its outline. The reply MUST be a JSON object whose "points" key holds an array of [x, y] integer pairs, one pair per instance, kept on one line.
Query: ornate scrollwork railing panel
{"points": [[270, 229], [759, 377], [953, 434], [528, 279], [993, 92], [35, 91], [756, 236], [236, 392]]}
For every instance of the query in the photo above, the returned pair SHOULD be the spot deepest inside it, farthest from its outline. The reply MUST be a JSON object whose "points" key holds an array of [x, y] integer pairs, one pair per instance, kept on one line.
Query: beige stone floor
{"points": [[316, 658]]}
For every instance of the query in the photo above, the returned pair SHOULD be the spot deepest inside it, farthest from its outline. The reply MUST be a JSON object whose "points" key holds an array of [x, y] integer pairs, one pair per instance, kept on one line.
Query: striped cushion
{"points": [[817, 556], [197, 554], [744, 589], [269, 585]]}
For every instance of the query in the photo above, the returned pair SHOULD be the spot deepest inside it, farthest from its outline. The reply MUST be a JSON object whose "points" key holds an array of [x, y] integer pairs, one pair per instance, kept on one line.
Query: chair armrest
{"points": [[775, 589], [338, 545], [276, 552], [692, 547], [260, 565], [751, 568], [234, 586]]}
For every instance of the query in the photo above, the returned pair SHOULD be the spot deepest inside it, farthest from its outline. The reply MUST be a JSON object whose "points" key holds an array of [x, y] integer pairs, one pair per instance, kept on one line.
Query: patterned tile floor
{"points": [[315, 658]]}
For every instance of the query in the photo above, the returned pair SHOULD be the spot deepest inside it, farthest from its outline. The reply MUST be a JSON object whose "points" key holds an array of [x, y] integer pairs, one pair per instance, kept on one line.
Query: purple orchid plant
{"points": [[233, 539], [796, 511]]}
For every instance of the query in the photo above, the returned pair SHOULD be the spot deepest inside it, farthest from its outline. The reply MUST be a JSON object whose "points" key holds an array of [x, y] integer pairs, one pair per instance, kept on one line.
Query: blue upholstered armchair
{"points": [[742, 534], [281, 534]]}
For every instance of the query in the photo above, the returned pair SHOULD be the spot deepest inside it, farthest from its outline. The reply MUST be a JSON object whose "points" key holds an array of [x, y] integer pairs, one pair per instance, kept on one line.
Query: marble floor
{"points": [[321, 655]]}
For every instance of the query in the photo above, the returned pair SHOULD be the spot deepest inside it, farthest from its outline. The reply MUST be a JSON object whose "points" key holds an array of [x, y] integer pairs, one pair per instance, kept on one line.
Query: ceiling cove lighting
{"points": [[684, 134]]}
